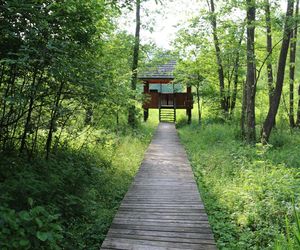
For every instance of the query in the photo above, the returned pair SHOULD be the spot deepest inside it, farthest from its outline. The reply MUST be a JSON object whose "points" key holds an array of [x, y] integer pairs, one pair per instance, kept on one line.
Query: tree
{"points": [[213, 21], [236, 69], [251, 73], [293, 48], [269, 49], [273, 109], [132, 120], [188, 72], [50, 70]]}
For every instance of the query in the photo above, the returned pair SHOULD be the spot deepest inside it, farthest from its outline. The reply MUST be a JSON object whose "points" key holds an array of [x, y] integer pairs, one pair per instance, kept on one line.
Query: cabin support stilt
{"points": [[189, 104], [146, 110], [146, 114], [189, 115]]}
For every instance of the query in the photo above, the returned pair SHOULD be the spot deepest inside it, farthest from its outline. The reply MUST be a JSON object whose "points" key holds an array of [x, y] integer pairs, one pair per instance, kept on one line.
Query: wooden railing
{"points": [[177, 100]]}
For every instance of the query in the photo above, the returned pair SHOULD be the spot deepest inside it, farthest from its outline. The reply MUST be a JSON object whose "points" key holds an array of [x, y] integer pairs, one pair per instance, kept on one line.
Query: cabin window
{"points": [[166, 88]]}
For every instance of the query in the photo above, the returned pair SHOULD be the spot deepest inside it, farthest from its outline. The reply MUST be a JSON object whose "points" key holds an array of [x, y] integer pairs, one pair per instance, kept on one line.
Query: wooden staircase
{"points": [[167, 114]]}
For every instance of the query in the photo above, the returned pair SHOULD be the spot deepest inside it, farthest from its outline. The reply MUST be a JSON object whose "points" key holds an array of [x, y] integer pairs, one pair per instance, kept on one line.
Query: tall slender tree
{"points": [[273, 109], [269, 49], [236, 71], [132, 120], [213, 21], [292, 68], [250, 91], [298, 109]]}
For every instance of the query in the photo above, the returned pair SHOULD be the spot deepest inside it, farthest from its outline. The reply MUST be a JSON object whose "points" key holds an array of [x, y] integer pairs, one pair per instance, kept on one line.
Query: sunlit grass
{"points": [[247, 190]]}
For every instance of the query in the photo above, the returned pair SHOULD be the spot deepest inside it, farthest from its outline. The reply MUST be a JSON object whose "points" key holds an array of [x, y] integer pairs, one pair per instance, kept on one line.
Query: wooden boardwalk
{"points": [[162, 209]]}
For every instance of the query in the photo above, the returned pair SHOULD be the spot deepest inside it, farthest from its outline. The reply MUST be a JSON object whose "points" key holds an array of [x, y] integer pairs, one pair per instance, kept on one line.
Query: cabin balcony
{"points": [[156, 100]]}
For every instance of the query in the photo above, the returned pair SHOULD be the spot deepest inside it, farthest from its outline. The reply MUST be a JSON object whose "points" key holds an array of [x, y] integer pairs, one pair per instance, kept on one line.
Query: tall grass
{"points": [[247, 190]]}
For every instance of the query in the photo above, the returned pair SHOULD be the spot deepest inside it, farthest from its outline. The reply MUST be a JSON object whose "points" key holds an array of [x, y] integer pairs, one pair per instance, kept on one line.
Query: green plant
{"points": [[69, 200], [291, 239], [247, 190], [36, 228]]}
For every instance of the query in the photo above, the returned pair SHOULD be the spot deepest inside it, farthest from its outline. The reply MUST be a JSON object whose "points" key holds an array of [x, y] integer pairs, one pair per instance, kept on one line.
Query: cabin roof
{"points": [[163, 71]]}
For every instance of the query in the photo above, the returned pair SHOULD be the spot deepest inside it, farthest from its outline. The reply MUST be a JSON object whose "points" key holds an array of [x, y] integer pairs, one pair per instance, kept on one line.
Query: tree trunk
{"points": [[198, 102], [269, 50], [5, 117], [273, 109], [132, 120], [292, 69], [35, 135], [53, 119], [236, 73], [88, 115], [298, 110], [223, 101], [30, 110], [243, 114], [251, 74]]}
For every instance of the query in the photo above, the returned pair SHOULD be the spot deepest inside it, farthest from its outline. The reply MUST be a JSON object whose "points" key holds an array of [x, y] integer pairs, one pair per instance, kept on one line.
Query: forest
{"points": [[72, 136]]}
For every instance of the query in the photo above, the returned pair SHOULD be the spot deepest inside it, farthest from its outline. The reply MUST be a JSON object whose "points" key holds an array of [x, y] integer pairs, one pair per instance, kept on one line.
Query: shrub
{"points": [[68, 201], [36, 228]]}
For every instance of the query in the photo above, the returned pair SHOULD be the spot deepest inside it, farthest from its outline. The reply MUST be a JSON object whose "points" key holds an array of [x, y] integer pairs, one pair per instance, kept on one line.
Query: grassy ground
{"points": [[248, 191], [69, 201]]}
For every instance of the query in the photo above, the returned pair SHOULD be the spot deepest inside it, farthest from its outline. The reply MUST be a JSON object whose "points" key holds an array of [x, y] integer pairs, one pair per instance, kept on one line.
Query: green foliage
{"points": [[35, 228], [69, 201], [248, 191], [61, 63], [292, 239]]}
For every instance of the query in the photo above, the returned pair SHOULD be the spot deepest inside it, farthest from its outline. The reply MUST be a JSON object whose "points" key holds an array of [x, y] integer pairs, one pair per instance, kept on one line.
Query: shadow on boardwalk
{"points": [[162, 209]]}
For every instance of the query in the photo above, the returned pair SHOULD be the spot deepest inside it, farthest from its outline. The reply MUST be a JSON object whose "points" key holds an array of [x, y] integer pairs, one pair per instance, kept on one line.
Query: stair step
{"points": [[167, 115]]}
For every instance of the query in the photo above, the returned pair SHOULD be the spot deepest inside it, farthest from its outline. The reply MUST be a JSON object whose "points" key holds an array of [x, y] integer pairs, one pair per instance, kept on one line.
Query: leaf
{"points": [[30, 202], [43, 236], [25, 216], [39, 222], [297, 235], [24, 243]]}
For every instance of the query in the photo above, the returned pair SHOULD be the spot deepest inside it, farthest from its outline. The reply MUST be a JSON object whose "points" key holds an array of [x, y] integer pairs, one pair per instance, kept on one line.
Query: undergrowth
{"points": [[69, 201], [248, 191]]}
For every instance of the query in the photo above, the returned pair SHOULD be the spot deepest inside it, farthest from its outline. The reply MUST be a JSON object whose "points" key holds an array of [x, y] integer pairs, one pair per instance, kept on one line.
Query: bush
{"points": [[35, 228], [70, 200]]}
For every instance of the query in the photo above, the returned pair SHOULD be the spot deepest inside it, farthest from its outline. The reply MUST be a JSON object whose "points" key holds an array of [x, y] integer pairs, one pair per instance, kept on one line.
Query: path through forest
{"points": [[162, 209]]}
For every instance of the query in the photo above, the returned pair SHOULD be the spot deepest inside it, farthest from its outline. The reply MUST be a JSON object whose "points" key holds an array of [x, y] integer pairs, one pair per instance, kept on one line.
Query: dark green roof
{"points": [[164, 71]]}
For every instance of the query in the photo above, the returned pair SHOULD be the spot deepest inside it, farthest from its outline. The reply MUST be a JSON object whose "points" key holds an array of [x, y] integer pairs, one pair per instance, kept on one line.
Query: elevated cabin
{"points": [[162, 93]]}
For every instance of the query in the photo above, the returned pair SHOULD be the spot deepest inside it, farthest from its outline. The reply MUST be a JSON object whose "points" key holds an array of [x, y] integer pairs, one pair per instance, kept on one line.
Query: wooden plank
{"points": [[203, 228], [162, 238], [166, 216], [162, 209], [123, 243], [161, 223], [185, 235]]}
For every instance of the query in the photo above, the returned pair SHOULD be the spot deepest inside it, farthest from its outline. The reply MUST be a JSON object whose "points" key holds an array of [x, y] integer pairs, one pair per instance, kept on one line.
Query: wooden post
{"points": [[189, 114], [146, 114], [189, 104], [146, 110], [174, 102]]}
